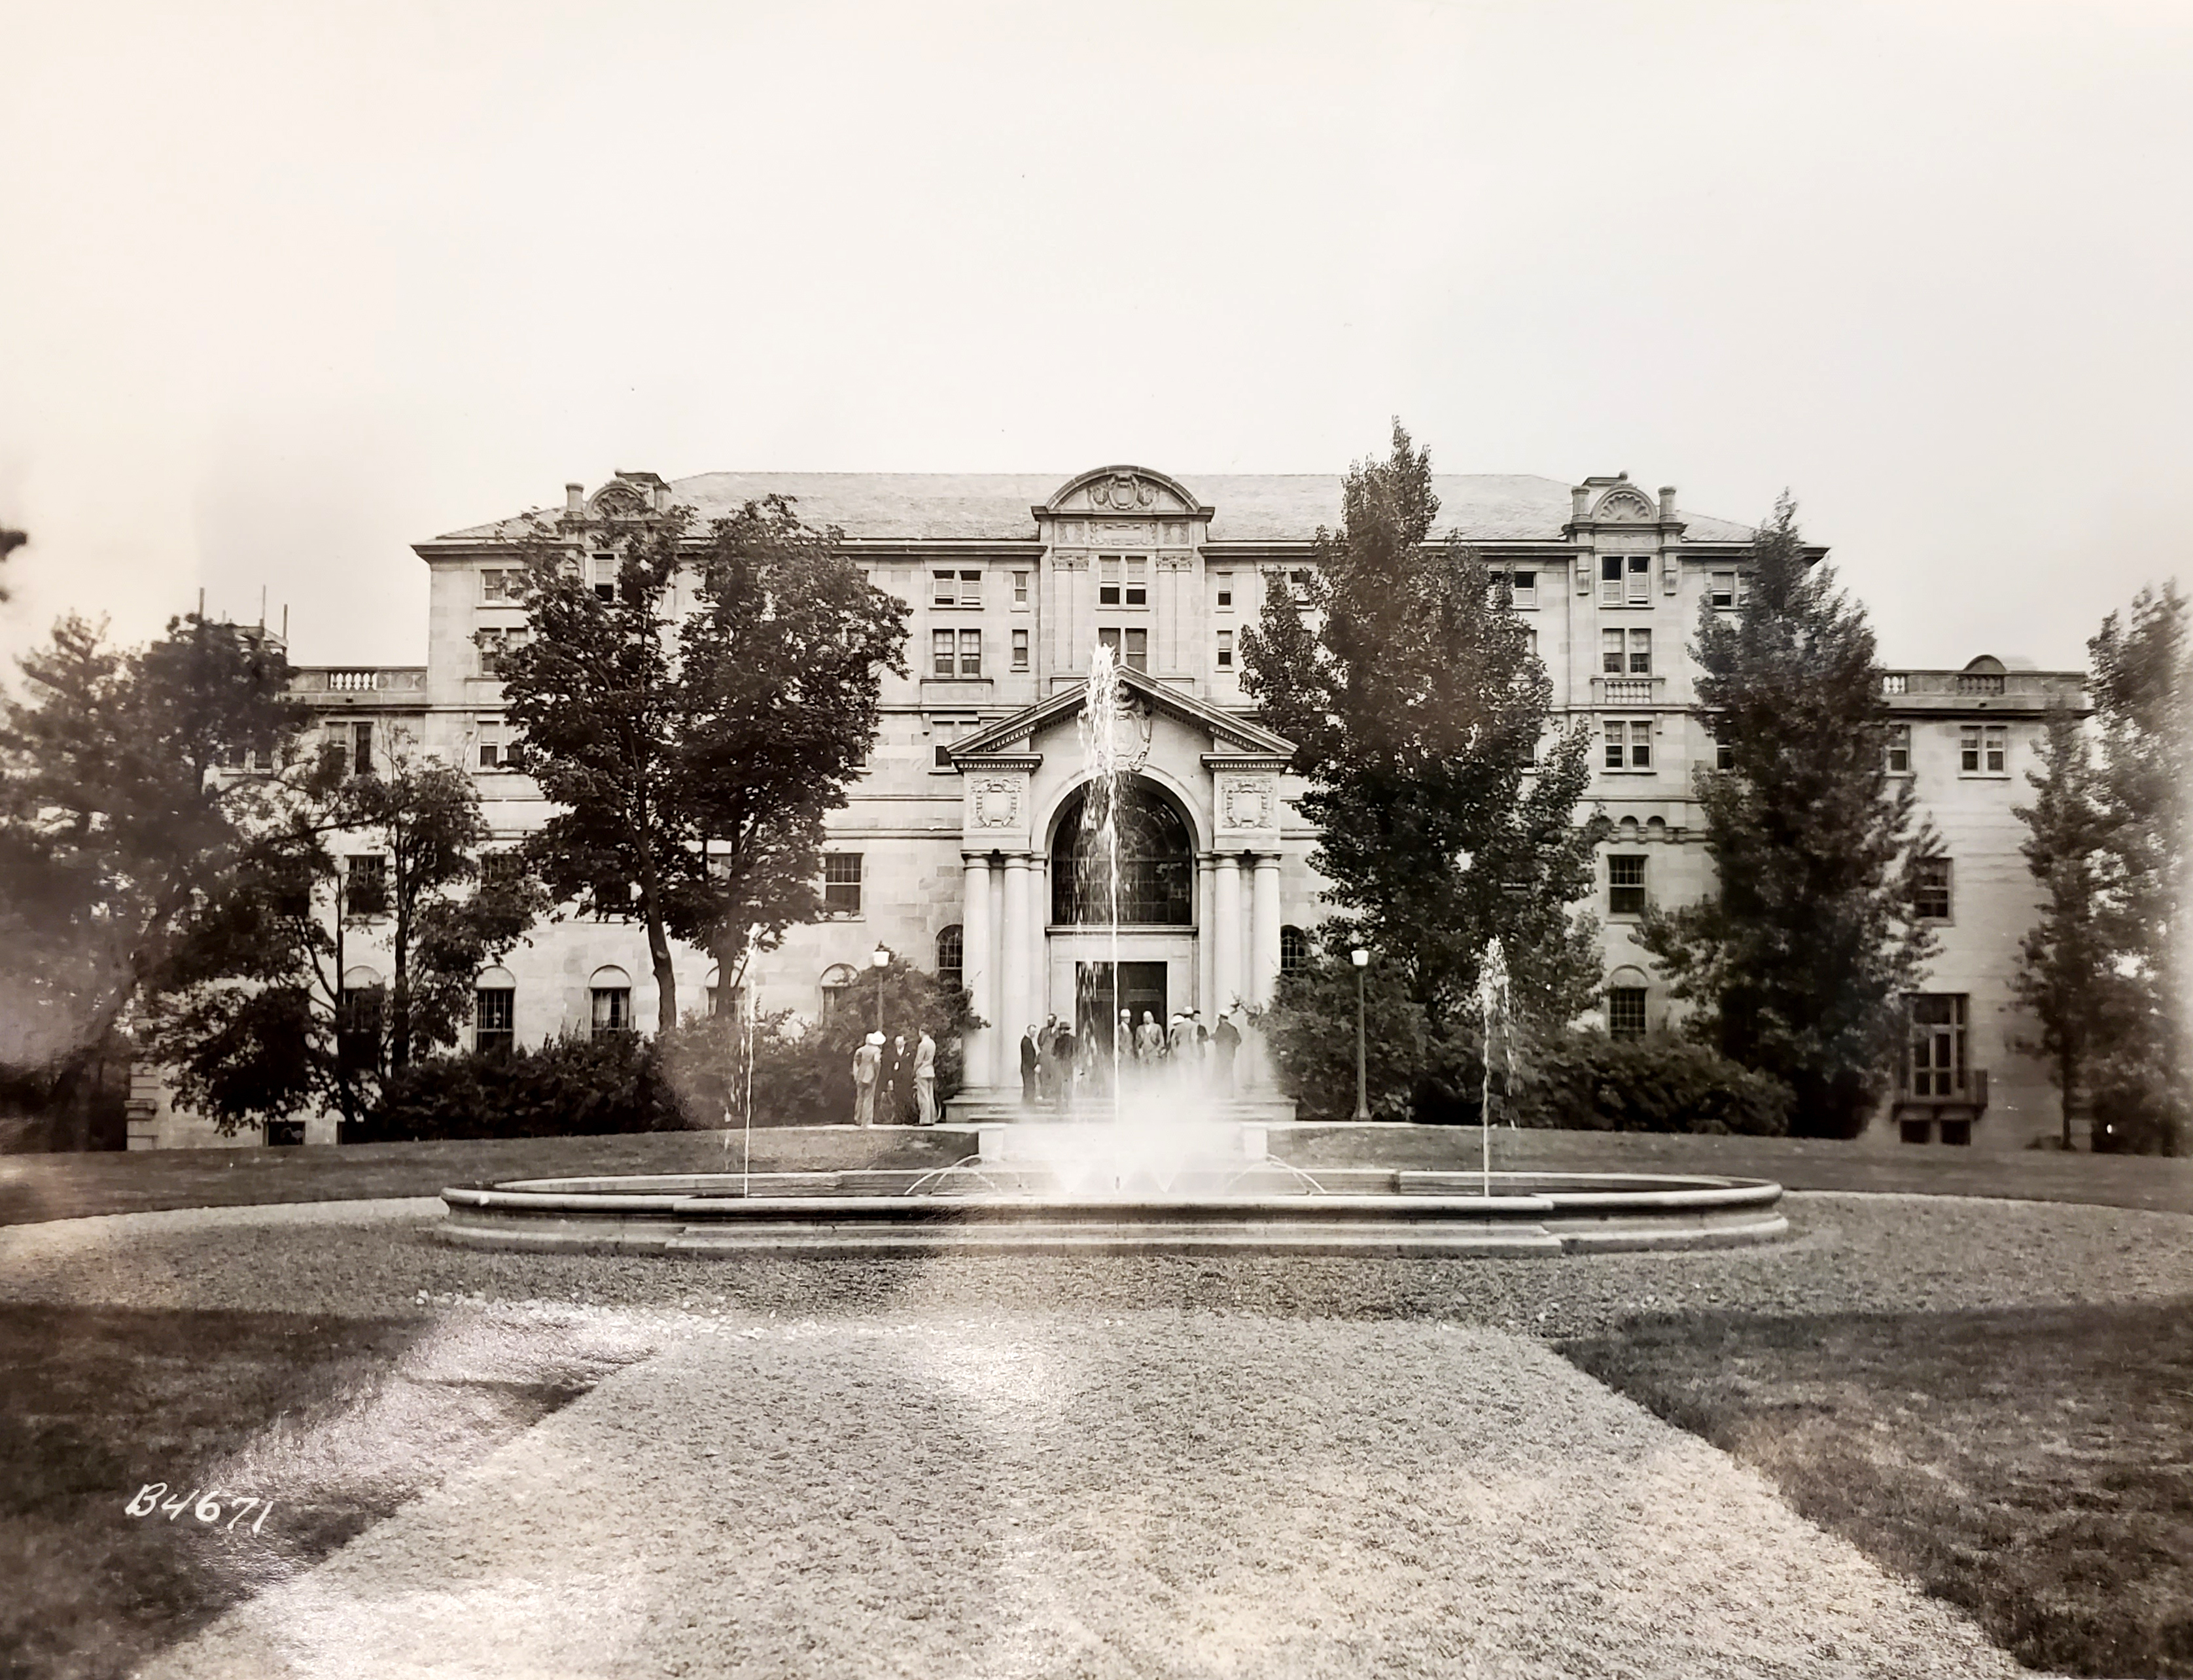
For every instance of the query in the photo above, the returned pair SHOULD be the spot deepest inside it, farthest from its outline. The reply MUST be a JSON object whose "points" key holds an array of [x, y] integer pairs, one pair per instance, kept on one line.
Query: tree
{"points": [[2064, 976], [1416, 709], [115, 827], [2142, 687], [1799, 964], [256, 1022], [693, 759]]}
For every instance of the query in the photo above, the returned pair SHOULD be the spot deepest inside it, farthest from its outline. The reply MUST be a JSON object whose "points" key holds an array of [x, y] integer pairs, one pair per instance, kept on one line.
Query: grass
{"points": [[337, 1421], [69, 1186], [2031, 1466]]}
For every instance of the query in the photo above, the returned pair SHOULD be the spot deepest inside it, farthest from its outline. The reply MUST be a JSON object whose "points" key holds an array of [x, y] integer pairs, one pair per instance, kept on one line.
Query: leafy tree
{"points": [[1416, 709], [116, 828], [694, 758], [2143, 686], [256, 1022], [2064, 976], [1311, 1029], [1798, 965]]}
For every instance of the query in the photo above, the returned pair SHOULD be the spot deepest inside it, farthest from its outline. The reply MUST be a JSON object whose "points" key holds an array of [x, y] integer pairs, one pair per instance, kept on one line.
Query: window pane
{"points": [[1609, 652], [1225, 650], [1640, 653], [1899, 747], [1108, 580], [1640, 578], [1020, 588], [1969, 748], [1625, 1012], [1138, 650], [1138, 581], [1614, 737], [1998, 749], [1020, 650], [940, 643], [841, 883], [1226, 589], [1625, 878], [943, 593], [970, 653], [1721, 588]]}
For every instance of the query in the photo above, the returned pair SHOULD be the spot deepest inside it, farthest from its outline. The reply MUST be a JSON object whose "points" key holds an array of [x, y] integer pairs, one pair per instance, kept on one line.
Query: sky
{"points": [[287, 288]]}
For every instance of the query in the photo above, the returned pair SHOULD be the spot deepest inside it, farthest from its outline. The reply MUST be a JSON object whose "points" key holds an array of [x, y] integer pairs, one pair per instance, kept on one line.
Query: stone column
{"points": [[1038, 943], [1264, 929], [974, 957], [1013, 997], [1207, 939], [1226, 953]]}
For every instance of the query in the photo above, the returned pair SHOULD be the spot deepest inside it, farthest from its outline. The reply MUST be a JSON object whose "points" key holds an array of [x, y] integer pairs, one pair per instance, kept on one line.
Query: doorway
{"points": [[1099, 995]]}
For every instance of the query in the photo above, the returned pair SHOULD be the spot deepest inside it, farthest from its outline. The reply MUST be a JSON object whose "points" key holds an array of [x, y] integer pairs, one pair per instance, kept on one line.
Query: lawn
{"points": [[330, 1423], [2031, 1466]]}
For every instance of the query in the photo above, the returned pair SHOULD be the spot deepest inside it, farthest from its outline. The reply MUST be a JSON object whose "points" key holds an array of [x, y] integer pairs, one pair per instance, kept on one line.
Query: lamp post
{"points": [[1361, 959], [882, 961]]}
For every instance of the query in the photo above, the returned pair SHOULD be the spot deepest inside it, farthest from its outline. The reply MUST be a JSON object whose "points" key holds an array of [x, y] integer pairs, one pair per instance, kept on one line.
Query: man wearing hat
{"points": [[865, 1060]]}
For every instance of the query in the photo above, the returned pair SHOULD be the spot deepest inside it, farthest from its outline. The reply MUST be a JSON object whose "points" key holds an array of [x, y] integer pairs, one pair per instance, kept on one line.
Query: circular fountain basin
{"points": [[1228, 1208]]}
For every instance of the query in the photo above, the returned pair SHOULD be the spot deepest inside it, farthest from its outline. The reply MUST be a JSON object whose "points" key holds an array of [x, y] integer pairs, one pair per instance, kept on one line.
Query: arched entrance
{"points": [[1148, 889]]}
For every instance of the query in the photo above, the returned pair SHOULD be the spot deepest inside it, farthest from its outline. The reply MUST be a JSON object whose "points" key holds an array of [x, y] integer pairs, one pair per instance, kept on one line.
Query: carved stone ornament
{"points": [[997, 802], [1123, 490], [1121, 534], [1625, 505], [1245, 802], [617, 503]]}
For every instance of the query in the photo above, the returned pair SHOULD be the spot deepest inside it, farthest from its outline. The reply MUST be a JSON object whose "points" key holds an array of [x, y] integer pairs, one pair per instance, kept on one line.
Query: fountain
{"points": [[1154, 1177]]}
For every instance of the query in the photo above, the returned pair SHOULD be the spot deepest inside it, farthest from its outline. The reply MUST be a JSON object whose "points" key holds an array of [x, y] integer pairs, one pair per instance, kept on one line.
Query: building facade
{"points": [[957, 851]]}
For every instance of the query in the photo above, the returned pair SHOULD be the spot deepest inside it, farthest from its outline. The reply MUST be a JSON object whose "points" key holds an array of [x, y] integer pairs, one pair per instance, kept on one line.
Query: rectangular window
{"points": [[495, 1016], [1020, 650], [1723, 738], [1225, 583], [1625, 887], [944, 588], [1984, 749], [1625, 1012], [841, 883], [1937, 1054], [1526, 591], [970, 653], [494, 645], [1298, 583], [1630, 743], [1020, 588], [349, 746], [1610, 645], [1130, 648], [945, 731], [365, 884], [1625, 579], [612, 1011], [1625, 652], [1899, 749], [1225, 650], [358, 1029], [1640, 653], [942, 644], [1932, 902], [606, 578], [501, 869], [1721, 589], [1108, 568], [1138, 580], [503, 584]]}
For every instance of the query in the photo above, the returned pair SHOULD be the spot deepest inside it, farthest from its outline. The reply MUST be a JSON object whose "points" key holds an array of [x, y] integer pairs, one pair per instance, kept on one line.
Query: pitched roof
{"points": [[994, 506]]}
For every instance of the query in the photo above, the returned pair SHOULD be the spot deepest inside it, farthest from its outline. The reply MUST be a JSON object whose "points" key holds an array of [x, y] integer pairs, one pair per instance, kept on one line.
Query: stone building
{"points": [[956, 850]]}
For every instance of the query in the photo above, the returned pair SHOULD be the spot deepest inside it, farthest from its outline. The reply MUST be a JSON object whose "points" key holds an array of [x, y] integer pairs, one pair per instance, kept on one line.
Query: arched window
{"points": [[951, 956], [1294, 950], [611, 990], [494, 1010], [358, 1020], [837, 982], [1156, 881]]}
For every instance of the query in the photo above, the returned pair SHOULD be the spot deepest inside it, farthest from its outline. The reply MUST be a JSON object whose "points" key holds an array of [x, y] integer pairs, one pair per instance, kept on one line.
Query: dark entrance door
{"points": [[1098, 1000]]}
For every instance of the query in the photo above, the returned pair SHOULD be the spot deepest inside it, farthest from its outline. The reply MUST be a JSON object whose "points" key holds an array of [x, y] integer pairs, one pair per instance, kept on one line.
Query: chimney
{"points": [[575, 498], [661, 496], [1667, 504], [1578, 494]]}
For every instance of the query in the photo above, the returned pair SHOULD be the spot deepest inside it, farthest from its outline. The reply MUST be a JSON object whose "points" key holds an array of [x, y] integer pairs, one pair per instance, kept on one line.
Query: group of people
{"points": [[1056, 1062], [899, 1083]]}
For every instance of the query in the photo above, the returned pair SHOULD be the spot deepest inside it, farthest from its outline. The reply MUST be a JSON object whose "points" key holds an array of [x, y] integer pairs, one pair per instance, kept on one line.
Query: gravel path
{"points": [[1848, 1252], [1158, 1494], [1096, 1467]]}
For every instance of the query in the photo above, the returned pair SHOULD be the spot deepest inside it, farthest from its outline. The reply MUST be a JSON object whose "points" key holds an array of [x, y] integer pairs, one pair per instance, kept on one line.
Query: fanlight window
{"points": [[1156, 879]]}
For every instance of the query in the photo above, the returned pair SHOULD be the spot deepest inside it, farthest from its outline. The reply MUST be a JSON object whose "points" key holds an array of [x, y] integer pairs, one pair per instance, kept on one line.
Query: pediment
{"points": [[1229, 732], [1124, 491]]}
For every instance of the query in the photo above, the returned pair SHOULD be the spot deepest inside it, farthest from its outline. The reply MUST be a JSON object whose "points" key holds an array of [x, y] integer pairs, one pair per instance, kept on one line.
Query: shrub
{"points": [[1587, 1081], [570, 1086], [1311, 1029], [2134, 1109]]}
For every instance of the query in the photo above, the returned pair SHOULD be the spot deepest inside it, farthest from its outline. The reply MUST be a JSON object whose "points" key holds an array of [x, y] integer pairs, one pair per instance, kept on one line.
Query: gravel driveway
{"points": [[1101, 1466]]}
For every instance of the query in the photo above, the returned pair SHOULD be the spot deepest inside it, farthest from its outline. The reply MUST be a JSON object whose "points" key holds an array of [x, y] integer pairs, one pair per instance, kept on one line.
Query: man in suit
{"points": [[865, 1061], [925, 1078], [1031, 1059]]}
